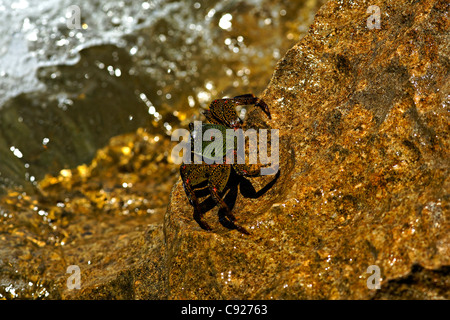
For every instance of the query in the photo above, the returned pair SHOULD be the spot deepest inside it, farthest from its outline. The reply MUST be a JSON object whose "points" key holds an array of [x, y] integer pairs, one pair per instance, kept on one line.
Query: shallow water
{"points": [[67, 87]]}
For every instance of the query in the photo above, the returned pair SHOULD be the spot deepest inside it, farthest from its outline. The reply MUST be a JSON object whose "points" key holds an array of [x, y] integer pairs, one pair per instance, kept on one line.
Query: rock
{"points": [[364, 152], [104, 218], [363, 187]]}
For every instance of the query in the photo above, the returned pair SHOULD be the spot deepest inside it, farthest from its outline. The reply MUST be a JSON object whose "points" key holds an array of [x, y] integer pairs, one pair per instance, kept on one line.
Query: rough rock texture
{"points": [[364, 151], [363, 116]]}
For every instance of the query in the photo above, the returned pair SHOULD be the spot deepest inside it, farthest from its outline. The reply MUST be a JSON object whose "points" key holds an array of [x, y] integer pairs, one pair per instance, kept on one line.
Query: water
{"points": [[155, 64]]}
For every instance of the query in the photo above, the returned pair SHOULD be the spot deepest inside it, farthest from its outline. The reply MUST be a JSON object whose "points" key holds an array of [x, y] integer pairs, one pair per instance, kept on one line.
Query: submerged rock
{"points": [[364, 165]]}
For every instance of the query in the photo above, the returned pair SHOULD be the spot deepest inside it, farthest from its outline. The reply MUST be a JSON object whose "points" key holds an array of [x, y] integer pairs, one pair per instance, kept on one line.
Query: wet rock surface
{"points": [[363, 121], [364, 165], [105, 218]]}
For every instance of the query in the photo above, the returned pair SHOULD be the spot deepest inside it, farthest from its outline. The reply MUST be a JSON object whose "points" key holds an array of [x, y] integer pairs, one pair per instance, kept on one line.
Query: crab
{"points": [[214, 179]]}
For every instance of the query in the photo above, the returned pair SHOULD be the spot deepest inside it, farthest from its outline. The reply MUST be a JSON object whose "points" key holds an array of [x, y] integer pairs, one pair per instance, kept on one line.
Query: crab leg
{"points": [[198, 214], [246, 170]]}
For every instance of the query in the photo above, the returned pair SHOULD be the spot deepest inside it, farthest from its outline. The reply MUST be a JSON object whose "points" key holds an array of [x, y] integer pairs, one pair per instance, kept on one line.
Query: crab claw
{"points": [[264, 108]]}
